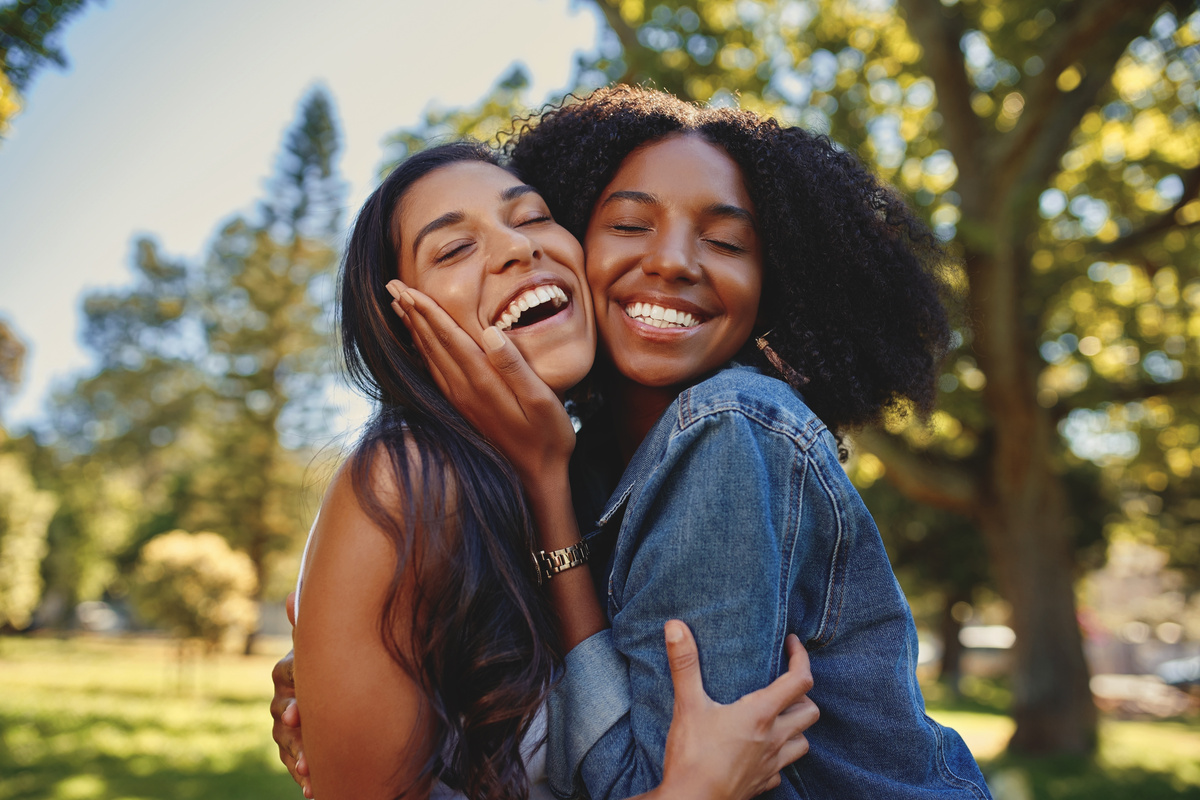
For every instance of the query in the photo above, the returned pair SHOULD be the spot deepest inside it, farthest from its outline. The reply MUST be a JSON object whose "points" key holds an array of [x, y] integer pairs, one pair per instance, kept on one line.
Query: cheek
{"points": [[459, 299], [603, 267]]}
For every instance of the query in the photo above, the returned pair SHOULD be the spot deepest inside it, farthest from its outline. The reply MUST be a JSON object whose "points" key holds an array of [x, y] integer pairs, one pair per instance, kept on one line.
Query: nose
{"points": [[671, 256], [513, 248]]}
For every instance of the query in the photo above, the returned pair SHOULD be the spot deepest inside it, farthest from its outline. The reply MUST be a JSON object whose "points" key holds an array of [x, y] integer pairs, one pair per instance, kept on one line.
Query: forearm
{"points": [[572, 593]]}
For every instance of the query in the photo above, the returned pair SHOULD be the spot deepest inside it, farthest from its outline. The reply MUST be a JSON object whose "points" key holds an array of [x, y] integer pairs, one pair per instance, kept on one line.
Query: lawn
{"points": [[90, 718]]}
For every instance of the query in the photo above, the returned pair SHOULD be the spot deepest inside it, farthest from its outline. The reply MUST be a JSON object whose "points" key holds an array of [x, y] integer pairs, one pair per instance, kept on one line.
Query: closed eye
{"points": [[627, 228], [453, 251], [728, 247], [535, 219]]}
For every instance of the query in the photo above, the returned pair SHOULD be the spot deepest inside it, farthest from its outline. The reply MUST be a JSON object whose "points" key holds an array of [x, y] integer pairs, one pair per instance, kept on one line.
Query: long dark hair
{"points": [[481, 644], [852, 292]]}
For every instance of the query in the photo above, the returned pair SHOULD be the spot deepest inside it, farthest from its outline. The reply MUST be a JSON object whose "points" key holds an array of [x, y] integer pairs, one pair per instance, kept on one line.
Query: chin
{"points": [[562, 371]]}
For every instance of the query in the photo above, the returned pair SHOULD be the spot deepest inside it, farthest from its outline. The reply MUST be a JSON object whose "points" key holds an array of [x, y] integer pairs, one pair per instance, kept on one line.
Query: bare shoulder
{"points": [[362, 716]]}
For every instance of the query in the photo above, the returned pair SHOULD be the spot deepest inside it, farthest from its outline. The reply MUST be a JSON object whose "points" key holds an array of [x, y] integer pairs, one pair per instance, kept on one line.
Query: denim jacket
{"points": [[735, 516]]}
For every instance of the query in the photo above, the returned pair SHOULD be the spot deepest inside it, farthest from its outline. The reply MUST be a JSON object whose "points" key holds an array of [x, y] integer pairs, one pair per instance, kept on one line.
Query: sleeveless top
{"points": [[534, 753]]}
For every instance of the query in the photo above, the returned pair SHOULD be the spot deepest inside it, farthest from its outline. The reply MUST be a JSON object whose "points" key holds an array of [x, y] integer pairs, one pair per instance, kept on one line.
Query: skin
{"points": [[474, 238], [676, 228], [480, 240]]}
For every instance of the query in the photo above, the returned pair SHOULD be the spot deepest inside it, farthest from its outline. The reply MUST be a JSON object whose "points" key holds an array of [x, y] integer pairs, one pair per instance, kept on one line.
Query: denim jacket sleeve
{"points": [[710, 535]]}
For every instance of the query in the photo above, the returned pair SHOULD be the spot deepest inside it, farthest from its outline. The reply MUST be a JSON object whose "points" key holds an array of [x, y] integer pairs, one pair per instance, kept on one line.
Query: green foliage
{"points": [[28, 29], [12, 356], [488, 121], [102, 718], [25, 514], [195, 586]]}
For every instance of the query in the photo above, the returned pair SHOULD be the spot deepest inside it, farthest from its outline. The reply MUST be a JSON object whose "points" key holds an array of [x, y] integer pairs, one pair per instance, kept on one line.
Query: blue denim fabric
{"points": [[735, 516]]}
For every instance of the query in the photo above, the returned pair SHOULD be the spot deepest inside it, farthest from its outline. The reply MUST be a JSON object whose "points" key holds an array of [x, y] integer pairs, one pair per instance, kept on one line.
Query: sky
{"points": [[169, 117]]}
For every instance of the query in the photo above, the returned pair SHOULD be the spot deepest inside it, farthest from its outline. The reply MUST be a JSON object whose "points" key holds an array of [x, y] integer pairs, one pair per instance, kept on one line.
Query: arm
{"points": [[364, 733], [492, 386], [710, 537]]}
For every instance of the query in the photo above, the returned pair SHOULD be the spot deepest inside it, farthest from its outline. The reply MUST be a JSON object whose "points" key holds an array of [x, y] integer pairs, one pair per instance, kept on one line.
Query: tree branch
{"points": [[920, 476], [626, 34], [1135, 241], [1071, 39], [939, 36], [1187, 387], [1096, 38]]}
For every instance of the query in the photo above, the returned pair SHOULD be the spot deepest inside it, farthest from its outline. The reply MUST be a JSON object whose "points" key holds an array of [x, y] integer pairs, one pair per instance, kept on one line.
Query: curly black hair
{"points": [[852, 297]]}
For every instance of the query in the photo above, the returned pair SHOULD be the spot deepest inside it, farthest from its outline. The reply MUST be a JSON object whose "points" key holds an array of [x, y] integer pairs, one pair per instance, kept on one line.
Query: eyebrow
{"points": [[445, 220], [455, 217], [716, 209], [734, 212]]}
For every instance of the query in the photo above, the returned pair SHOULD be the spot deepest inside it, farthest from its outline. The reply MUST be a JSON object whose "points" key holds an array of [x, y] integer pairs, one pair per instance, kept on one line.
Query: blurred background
{"points": [[177, 180]]}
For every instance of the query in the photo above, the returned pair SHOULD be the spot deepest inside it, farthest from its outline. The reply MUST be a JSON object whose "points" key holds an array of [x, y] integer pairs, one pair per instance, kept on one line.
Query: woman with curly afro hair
{"points": [[756, 291]]}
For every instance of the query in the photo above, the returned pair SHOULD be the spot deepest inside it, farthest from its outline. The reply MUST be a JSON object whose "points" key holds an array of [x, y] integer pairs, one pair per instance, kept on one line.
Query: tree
{"points": [[1055, 145], [28, 30], [213, 377], [196, 586], [25, 513], [12, 360]]}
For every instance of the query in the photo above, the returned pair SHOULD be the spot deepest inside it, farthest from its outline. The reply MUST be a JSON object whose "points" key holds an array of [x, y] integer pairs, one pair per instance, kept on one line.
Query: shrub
{"points": [[196, 586]]}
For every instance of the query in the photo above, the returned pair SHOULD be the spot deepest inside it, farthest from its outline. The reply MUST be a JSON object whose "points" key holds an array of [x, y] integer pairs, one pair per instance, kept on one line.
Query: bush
{"points": [[196, 586]]}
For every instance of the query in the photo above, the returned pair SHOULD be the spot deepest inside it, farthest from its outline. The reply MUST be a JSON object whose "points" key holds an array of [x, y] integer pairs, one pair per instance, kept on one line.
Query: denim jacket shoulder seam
{"points": [[804, 435]]}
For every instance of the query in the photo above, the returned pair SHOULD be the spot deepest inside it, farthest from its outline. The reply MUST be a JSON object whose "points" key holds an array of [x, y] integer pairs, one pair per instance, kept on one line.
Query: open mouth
{"points": [[532, 306], [660, 316]]}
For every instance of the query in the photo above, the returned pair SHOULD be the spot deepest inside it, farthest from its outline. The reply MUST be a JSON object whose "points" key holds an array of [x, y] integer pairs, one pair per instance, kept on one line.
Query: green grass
{"points": [[111, 718], [1140, 760], [91, 719]]}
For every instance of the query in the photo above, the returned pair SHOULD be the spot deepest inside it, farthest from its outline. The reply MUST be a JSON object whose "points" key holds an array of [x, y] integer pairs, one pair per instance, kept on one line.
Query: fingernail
{"points": [[674, 632], [393, 288], [406, 298], [397, 308], [493, 339]]}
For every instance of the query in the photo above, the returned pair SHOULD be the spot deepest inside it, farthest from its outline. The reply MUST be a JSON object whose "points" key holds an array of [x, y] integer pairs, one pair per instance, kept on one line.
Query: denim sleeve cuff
{"points": [[591, 696]]}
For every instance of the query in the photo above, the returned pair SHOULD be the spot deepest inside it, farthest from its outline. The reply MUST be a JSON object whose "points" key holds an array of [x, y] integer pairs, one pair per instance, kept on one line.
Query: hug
{"points": [[482, 602]]}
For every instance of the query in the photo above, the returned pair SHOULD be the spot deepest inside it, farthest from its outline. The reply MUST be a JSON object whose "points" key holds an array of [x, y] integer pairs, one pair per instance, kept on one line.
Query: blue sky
{"points": [[170, 114]]}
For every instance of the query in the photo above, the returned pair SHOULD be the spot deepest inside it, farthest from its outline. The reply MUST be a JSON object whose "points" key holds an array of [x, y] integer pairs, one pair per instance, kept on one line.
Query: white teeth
{"points": [[528, 299], [660, 316]]}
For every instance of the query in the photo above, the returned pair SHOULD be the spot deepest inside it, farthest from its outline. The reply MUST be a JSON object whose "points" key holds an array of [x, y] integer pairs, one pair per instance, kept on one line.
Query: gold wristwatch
{"points": [[553, 562]]}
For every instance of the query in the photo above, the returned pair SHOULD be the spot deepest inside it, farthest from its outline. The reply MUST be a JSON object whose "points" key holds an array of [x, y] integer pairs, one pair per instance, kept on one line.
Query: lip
{"points": [[533, 282]]}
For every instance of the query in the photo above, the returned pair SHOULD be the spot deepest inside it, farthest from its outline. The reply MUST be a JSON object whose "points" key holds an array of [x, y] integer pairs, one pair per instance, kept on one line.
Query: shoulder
{"points": [[742, 398], [371, 505]]}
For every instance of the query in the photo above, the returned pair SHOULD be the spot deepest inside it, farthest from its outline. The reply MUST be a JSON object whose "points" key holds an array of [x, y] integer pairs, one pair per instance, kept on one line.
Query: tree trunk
{"points": [[1024, 516], [951, 667], [1029, 537], [257, 553]]}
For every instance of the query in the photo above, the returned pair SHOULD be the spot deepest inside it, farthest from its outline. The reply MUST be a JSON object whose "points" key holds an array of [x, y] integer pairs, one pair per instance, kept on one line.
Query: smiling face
{"points": [[483, 245], [674, 262]]}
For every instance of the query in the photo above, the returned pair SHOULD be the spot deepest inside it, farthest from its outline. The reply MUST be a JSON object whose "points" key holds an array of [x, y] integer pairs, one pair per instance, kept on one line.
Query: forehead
{"points": [[683, 166], [466, 186]]}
